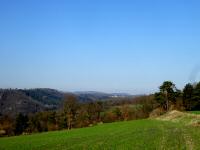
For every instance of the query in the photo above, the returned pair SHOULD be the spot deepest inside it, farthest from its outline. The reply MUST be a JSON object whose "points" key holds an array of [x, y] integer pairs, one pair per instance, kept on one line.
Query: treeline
{"points": [[169, 97], [76, 114]]}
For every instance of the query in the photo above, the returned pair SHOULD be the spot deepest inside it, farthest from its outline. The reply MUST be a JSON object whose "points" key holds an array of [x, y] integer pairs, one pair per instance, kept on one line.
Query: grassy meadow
{"points": [[138, 135]]}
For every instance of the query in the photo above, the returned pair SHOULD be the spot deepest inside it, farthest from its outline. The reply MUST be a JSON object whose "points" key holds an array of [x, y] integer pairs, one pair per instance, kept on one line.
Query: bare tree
{"points": [[70, 109]]}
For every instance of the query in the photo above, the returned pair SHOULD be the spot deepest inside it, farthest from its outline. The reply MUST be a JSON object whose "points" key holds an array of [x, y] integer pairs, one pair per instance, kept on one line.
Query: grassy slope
{"points": [[141, 134]]}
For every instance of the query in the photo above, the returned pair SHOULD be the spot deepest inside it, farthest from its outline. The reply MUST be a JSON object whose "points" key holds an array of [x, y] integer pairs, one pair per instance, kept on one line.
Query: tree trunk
{"points": [[68, 121], [167, 105], [167, 101]]}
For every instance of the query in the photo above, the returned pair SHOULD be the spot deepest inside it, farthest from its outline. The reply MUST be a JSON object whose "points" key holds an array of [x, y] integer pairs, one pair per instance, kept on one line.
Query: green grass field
{"points": [[194, 112], [141, 134]]}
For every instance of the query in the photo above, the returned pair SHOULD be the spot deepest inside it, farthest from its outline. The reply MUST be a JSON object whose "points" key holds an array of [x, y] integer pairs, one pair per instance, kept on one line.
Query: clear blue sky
{"points": [[105, 45]]}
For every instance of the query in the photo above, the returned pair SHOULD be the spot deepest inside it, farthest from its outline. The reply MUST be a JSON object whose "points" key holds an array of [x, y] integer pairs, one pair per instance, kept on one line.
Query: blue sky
{"points": [[106, 45]]}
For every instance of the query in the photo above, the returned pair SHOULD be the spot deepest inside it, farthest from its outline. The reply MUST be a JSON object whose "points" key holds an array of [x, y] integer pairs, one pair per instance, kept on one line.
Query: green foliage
{"points": [[167, 87], [117, 113], [168, 94], [160, 98], [194, 112], [196, 96], [191, 96], [187, 96]]}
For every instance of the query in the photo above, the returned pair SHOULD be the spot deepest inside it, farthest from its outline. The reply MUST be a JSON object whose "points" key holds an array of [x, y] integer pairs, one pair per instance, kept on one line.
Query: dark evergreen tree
{"points": [[167, 94], [188, 96], [196, 97], [21, 124]]}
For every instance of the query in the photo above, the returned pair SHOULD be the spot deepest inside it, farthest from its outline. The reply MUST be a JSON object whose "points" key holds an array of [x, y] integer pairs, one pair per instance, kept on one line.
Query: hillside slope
{"points": [[181, 117], [48, 97], [148, 134], [13, 102]]}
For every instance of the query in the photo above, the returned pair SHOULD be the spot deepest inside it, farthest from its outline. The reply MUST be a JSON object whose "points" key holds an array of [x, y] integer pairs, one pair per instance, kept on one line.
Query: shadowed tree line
{"points": [[76, 114]]}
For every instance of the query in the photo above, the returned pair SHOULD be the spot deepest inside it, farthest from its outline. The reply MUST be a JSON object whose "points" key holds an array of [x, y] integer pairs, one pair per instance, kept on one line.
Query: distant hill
{"points": [[48, 97], [14, 101], [87, 96]]}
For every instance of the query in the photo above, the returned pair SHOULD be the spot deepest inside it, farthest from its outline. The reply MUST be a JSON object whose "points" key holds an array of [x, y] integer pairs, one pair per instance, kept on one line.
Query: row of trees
{"points": [[74, 114], [169, 96]]}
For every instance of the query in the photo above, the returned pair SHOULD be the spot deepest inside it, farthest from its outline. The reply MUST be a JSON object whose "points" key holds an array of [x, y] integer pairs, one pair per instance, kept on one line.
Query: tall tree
{"points": [[196, 97], [70, 109], [160, 98], [21, 124], [187, 96], [94, 111], [167, 93]]}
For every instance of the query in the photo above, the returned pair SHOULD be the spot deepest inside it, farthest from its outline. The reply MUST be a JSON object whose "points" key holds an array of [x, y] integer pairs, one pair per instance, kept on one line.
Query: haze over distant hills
{"points": [[25, 101]]}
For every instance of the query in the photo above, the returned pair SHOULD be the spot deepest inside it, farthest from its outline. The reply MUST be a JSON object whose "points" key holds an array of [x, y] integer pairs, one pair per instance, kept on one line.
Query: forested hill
{"points": [[25, 101], [13, 102], [46, 96]]}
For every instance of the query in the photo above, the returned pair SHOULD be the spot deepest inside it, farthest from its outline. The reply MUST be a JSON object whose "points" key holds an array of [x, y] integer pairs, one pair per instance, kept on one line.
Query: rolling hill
{"points": [[13, 102], [25, 101], [159, 133]]}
